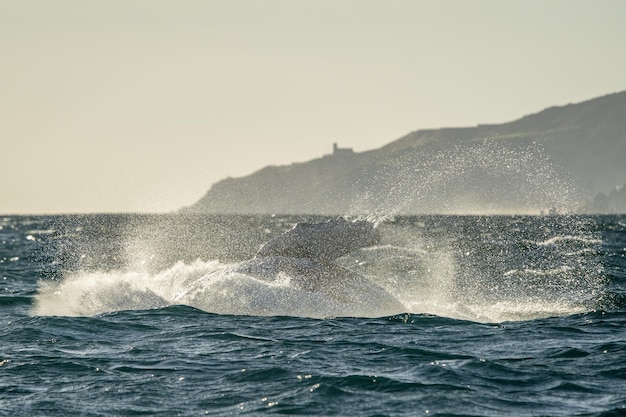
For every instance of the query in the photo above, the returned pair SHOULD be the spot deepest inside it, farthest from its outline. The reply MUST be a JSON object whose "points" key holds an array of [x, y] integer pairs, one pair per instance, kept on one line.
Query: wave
{"points": [[569, 239]]}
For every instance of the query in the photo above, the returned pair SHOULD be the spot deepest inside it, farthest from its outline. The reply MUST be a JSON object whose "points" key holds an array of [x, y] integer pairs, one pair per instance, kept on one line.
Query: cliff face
{"points": [[561, 157]]}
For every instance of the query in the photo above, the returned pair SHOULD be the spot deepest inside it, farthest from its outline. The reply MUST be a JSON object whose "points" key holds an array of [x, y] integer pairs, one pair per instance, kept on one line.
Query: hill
{"points": [[559, 158]]}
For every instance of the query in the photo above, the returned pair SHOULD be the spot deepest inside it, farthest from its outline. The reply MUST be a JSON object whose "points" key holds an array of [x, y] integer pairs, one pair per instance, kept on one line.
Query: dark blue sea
{"points": [[122, 315]]}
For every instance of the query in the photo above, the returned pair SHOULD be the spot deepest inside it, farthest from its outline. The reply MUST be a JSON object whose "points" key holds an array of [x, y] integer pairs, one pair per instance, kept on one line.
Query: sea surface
{"points": [[121, 315]]}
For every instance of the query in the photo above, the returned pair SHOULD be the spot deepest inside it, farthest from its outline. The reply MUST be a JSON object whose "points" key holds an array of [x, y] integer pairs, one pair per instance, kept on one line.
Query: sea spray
{"points": [[210, 286], [487, 268], [484, 177]]}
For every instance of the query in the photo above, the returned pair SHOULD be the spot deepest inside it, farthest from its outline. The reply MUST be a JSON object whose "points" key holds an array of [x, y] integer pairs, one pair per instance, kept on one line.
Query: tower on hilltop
{"points": [[337, 151]]}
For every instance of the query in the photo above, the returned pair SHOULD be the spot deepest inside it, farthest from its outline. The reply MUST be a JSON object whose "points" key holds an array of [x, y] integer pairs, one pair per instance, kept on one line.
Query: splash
{"points": [[486, 177], [487, 269], [209, 286]]}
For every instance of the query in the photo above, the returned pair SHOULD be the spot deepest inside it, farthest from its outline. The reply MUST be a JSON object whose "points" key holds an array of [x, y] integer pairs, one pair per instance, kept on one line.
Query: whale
{"points": [[306, 254], [322, 242]]}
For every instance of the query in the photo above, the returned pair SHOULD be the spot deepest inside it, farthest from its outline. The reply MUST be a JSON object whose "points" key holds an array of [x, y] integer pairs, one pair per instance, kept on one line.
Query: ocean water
{"points": [[107, 315]]}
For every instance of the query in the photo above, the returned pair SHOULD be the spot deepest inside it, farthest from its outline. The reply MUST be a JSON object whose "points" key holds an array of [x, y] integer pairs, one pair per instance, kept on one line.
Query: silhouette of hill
{"points": [[559, 158]]}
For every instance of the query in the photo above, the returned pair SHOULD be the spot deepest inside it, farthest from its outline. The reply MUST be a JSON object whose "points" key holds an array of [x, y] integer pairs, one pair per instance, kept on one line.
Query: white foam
{"points": [[209, 286]]}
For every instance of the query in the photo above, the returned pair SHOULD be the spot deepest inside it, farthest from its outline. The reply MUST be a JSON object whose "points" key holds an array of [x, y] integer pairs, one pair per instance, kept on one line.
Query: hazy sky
{"points": [[117, 106]]}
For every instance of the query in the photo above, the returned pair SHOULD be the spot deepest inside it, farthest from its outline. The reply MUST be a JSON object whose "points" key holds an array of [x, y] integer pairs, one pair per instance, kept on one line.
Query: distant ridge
{"points": [[561, 157]]}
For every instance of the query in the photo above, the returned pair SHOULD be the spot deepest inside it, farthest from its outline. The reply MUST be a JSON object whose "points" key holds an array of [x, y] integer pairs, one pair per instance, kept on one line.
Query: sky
{"points": [[142, 105]]}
